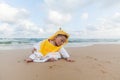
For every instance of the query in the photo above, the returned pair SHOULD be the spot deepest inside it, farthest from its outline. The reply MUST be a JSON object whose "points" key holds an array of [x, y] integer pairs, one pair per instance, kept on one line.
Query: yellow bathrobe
{"points": [[46, 47]]}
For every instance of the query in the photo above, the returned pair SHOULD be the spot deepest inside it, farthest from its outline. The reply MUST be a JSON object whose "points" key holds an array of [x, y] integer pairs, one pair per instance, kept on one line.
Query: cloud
{"points": [[4, 27], [60, 12], [58, 18], [109, 3], [10, 14], [102, 3], [6, 30], [14, 22], [106, 28], [84, 16], [63, 5]]}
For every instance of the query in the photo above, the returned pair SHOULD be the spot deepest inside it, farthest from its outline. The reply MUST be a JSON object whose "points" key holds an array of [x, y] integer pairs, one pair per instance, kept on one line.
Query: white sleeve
{"points": [[37, 45], [64, 53]]}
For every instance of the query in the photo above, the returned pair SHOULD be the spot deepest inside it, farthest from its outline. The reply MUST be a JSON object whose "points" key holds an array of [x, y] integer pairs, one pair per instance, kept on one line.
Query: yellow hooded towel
{"points": [[46, 47]]}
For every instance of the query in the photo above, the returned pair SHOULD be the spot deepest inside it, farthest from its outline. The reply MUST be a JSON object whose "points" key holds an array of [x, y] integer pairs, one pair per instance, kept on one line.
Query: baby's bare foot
{"points": [[28, 60]]}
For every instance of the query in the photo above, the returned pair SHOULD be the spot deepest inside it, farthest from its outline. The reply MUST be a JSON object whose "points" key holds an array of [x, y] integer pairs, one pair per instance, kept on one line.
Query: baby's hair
{"points": [[62, 35]]}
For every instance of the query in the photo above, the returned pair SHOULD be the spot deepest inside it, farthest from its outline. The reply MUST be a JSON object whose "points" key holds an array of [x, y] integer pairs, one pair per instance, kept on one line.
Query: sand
{"points": [[98, 62]]}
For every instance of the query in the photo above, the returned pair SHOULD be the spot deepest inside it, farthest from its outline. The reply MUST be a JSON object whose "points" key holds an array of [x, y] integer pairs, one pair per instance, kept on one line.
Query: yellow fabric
{"points": [[59, 32], [46, 47]]}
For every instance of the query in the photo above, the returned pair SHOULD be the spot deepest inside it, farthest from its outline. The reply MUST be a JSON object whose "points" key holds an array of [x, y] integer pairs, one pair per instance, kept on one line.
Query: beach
{"points": [[96, 62]]}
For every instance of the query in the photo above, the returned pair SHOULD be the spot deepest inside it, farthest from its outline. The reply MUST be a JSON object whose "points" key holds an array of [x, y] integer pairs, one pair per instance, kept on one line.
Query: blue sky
{"points": [[41, 18]]}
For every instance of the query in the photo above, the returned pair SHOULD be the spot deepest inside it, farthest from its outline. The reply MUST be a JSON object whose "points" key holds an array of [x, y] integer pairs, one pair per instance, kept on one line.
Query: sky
{"points": [[42, 18]]}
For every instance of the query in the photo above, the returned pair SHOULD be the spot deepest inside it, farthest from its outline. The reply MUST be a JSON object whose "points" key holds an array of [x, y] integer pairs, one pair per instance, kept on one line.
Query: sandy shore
{"points": [[98, 62]]}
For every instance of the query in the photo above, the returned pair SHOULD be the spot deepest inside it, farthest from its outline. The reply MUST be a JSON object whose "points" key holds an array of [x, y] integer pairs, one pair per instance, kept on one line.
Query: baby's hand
{"points": [[34, 50], [69, 60]]}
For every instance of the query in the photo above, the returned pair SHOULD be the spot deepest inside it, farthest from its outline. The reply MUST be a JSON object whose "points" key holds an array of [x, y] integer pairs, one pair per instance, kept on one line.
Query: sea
{"points": [[23, 43]]}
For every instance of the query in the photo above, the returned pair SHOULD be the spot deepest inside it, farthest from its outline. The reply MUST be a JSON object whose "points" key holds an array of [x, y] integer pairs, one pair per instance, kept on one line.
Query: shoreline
{"points": [[69, 45]]}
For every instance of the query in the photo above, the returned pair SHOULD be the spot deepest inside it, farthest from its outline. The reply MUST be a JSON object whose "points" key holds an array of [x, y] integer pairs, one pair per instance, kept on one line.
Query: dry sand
{"points": [[98, 62]]}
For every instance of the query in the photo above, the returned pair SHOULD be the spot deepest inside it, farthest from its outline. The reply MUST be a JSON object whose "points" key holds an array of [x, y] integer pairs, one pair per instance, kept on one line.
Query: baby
{"points": [[51, 49]]}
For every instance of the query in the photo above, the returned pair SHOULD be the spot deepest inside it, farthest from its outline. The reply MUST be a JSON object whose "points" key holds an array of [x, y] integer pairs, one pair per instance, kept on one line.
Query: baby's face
{"points": [[60, 40]]}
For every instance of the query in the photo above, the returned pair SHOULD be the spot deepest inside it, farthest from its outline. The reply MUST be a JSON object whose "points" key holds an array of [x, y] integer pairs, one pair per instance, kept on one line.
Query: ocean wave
{"points": [[17, 43], [14, 41]]}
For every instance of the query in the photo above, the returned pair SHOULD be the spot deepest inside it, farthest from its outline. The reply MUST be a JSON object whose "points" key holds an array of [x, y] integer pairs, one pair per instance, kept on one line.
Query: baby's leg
{"points": [[53, 56], [28, 60], [51, 60], [32, 57]]}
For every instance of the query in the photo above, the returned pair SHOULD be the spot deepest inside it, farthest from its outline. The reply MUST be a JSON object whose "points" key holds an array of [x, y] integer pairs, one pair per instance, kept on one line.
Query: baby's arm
{"points": [[65, 55], [36, 47], [34, 50]]}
